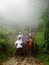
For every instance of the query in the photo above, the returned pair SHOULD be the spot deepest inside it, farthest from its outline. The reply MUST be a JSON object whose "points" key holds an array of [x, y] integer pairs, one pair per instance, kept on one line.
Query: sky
{"points": [[22, 12]]}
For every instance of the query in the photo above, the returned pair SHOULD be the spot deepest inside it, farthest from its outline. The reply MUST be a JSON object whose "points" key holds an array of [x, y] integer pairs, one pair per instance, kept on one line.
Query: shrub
{"points": [[40, 41]]}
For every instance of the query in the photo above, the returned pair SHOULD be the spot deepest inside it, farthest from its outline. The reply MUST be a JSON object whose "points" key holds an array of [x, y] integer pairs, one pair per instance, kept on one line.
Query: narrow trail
{"points": [[29, 60], [22, 61]]}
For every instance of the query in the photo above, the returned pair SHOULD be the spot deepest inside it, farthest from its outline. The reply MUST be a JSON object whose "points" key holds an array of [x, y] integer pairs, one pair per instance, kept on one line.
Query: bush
{"points": [[44, 58], [40, 41], [6, 49], [3, 56]]}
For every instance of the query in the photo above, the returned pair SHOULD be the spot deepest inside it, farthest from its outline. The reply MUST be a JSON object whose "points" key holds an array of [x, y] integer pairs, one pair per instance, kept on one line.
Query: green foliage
{"points": [[44, 58], [11, 50], [40, 27], [44, 27], [46, 31], [6, 48], [3, 57], [42, 39], [39, 40]]}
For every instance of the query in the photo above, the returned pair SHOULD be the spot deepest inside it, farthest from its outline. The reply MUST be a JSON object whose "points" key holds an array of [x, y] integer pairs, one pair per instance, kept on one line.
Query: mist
{"points": [[21, 13]]}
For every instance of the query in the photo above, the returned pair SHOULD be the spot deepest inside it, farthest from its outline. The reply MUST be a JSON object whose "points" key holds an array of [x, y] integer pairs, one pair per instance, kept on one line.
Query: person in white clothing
{"points": [[18, 43], [19, 46]]}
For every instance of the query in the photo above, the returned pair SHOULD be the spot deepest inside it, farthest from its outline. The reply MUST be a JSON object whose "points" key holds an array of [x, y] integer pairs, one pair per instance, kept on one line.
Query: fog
{"points": [[21, 13]]}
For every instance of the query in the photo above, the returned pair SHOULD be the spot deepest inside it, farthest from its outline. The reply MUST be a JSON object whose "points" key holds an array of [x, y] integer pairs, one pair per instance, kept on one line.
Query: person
{"points": [[20, 35], [30, 43], [19, 46], [26, 43], [27, 38]]}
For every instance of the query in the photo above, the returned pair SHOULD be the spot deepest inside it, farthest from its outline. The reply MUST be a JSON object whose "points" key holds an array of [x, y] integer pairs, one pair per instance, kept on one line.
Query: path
{"points": [[23, 61]]}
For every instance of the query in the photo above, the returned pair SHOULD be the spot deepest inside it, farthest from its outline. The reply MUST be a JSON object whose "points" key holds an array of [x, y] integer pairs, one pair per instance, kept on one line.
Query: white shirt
{"points": [[18, 43]]}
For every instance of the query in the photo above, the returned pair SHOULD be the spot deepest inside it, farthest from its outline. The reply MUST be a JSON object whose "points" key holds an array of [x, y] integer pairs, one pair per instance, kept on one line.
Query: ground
{"points": [[23, 61]]}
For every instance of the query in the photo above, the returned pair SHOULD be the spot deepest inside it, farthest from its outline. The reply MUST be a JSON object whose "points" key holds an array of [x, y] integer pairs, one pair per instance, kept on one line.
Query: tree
{"points": [[44, 27], [46, 31]]}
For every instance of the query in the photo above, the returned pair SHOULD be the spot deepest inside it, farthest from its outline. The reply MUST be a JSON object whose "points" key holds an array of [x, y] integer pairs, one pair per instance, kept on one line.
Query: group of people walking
{"points": [[23, 41]]}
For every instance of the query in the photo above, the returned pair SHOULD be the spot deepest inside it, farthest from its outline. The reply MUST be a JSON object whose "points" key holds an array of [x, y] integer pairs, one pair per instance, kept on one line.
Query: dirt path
{"points": [[22, 61]]}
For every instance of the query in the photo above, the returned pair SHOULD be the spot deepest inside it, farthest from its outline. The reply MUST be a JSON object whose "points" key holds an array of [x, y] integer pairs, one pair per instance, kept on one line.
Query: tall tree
{"points": [[46, 19]]}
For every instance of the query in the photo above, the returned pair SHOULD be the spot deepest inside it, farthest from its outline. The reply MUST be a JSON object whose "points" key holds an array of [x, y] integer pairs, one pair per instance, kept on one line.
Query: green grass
{"points": [[40, 41], [3, 57], [44, 58]]}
